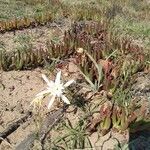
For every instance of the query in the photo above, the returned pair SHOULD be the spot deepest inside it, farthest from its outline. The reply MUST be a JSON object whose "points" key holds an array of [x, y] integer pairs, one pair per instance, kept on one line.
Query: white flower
{"points": [[55, 89]]}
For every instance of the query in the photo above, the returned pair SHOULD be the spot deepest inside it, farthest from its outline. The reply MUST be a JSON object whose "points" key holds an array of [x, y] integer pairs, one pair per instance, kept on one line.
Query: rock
{"points": [[12, 88], [97, 141], [110, 144], [141, 87], [72, 67]]}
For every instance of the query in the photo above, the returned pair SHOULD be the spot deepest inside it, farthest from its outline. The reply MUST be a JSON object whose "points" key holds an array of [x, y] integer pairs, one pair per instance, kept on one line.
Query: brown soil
{"points": [[18, 88], [17, 91], [36, 37]]}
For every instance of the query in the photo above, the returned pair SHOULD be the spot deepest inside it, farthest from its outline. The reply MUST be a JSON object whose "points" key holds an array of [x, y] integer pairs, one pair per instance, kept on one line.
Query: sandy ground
{"points": [[34, 37], [17, 90]]}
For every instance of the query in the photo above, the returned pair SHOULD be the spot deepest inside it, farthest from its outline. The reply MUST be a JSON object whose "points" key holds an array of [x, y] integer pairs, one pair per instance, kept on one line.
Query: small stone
{"points": [[110, 144], [66, 74], [72, 67], [12, 88], [28, 77], [141, 87]]}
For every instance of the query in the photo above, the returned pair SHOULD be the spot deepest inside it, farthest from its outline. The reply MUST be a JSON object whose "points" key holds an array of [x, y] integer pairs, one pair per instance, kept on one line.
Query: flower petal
{"points": [[49, 83], [68, 83], [43, 93], [65, 99], [51, 101], [57, 80]]}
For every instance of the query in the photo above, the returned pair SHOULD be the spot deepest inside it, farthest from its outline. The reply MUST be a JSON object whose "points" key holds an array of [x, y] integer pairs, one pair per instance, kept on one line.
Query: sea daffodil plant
{"points": [[54, 90]]}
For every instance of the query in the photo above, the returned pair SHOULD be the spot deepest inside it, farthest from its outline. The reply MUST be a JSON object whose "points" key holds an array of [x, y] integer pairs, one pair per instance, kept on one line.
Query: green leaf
{"points": [[98, 67], [88, 80]]}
